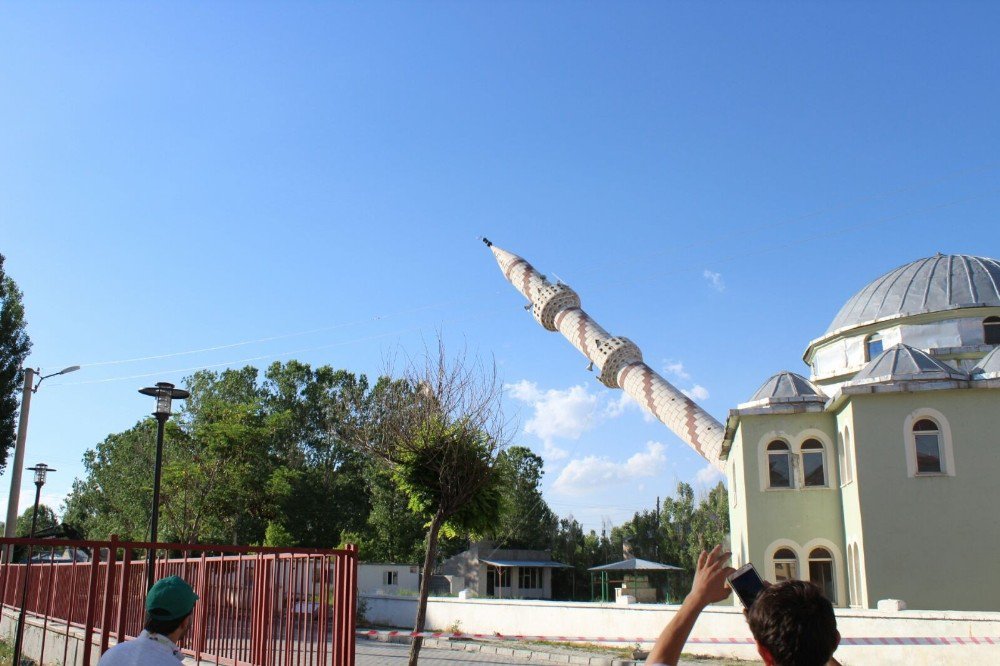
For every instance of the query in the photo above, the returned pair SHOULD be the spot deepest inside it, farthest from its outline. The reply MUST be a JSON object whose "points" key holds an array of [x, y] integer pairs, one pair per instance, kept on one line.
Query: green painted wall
{"points": [[800, 515], [933, 542]]}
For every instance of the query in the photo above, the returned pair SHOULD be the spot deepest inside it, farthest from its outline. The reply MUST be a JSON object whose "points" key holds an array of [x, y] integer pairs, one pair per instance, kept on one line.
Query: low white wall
{"points": [[559, 618]]}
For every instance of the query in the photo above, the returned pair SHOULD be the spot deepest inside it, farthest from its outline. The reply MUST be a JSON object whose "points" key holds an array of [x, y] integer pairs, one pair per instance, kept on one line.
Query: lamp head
{"points": [[40, 470], [165, 393]]}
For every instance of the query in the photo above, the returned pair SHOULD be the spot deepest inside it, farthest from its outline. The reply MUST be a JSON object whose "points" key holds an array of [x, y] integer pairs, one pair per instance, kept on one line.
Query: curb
{"points": [[532, 654]]}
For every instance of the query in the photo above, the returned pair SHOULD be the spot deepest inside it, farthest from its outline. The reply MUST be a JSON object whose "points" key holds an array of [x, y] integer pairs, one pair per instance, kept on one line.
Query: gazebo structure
{"points": [[634, 578]]}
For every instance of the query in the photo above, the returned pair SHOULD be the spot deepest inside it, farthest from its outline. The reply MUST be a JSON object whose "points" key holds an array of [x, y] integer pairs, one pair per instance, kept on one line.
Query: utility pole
{"points": [[9, 529]]}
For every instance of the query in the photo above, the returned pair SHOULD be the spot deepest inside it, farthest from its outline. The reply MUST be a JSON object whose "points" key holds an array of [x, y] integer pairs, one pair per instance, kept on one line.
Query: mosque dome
{"points": [[989, 366], [935, 284], [904, 363], [786, 387]]}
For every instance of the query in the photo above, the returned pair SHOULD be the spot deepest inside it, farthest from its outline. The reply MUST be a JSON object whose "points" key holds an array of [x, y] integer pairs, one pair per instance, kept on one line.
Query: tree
{"points": [[439, 429], [46, 519], [14, 348], [246, 460], [526, 521]]}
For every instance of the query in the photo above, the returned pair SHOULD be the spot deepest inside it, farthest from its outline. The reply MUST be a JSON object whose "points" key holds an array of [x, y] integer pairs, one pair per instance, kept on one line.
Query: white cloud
{"points": [[616, 408], [582, 475], [675, 369], [714, 279], [696, 392], [709, 475], [566, 413], [562, 413], [552, 452]]}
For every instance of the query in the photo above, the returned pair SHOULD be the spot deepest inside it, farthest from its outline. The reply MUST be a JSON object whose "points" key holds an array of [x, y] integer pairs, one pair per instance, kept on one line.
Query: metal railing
{"points": [[257, 606]]}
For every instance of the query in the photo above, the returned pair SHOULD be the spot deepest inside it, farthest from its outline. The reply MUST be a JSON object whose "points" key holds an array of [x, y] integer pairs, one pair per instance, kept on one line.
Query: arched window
{"points": [[991, 330], [779, 465], [927, 444], [813, 470], [873, 346], [786, 565], [821, 572]]}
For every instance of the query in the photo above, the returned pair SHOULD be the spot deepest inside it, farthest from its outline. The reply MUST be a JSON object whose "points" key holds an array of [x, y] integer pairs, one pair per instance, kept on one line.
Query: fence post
{"points": [[88, 627], [123, 590], [109, 582], [352, 601], [200, 610]]}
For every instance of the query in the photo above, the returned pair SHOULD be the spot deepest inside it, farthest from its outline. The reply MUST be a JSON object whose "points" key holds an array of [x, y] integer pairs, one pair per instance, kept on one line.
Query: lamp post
{"points": [[40, 470], [164, 392], [30, 387]]}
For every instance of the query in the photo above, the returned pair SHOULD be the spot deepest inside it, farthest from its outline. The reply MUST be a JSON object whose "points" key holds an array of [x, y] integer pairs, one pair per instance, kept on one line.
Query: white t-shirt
{"points": [[146, 649]]}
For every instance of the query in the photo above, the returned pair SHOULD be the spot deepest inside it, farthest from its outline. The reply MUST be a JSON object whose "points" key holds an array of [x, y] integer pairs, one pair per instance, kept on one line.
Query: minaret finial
{"points": [[487, 241]]}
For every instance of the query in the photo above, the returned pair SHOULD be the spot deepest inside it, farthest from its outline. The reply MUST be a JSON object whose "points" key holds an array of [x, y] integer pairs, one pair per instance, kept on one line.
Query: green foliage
{"points": [[277, 536], [447, 470], [525, 521], [243, 459], [14, 348], [46, 519]]}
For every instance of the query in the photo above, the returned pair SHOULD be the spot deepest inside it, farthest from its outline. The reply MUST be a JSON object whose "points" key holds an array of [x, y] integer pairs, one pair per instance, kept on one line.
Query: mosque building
{"points": [[876, 478]]}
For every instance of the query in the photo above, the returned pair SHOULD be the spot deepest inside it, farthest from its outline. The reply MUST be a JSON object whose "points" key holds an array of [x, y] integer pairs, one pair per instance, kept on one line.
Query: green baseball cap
{"points": [[170, 598]]}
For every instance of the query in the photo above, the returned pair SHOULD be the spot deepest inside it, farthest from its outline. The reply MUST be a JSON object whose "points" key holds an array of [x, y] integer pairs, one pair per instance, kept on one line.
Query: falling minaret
{"points": [[557, 308]]}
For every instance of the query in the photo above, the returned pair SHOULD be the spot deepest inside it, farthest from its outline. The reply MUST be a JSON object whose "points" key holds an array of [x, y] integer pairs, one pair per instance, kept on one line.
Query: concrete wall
{"points": [[553, 618]]}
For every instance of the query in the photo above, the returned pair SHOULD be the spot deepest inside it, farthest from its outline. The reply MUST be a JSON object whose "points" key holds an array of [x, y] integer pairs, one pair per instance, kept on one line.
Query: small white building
{"points": [[501, 573], [388, 578]]}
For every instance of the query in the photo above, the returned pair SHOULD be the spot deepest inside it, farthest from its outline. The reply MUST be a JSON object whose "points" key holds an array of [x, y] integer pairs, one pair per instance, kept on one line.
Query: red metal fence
{"points": [[257, 606]]}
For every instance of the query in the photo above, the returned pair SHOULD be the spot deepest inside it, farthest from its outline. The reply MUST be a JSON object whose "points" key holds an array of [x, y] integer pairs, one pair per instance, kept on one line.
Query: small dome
{"points": [[989, 366], [936, 284], [783, 388], [904, 363]]}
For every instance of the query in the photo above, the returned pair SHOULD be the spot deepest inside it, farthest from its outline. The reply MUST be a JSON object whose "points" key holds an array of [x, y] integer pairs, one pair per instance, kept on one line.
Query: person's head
{"points": [[168, 607], [794, 625]]}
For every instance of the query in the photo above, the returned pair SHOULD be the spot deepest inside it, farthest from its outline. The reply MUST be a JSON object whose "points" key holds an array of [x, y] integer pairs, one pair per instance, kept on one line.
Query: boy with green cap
{"points": [[169, 604]]}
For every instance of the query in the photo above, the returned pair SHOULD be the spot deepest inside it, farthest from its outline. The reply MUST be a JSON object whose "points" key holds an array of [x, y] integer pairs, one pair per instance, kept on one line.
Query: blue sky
{"points": [[714, 179]]}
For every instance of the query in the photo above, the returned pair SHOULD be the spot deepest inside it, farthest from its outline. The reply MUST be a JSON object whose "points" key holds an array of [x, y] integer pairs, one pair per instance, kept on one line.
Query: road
{"points": [[374, 653]]}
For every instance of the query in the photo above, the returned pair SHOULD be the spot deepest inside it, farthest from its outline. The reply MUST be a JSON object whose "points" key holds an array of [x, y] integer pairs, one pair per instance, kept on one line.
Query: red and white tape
{"points": [[865, 640]]}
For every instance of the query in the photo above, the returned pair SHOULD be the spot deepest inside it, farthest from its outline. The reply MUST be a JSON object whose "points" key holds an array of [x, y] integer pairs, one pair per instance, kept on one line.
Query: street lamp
{"points": [[30, 387], [40, 470], [164, 392]]}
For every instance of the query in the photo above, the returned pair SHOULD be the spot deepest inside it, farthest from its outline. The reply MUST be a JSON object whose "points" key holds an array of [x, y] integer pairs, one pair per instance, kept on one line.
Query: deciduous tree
{"points": [[14, 348], [439, 429]]}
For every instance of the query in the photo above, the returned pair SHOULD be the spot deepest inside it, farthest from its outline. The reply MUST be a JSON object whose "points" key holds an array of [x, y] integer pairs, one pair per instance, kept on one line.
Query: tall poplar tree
{"points": [[14, 348]]}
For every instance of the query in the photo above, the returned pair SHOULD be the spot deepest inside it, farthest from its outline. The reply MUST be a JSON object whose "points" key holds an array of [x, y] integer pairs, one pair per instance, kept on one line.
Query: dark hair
{"points": [[155, 625], [796, 624]]}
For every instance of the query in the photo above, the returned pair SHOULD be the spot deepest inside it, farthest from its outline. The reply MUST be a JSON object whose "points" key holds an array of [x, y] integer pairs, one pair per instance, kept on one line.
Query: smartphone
{"points": [[746, 583]]}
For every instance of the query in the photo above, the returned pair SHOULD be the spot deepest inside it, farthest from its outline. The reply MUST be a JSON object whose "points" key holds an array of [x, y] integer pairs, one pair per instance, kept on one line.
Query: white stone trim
{"points": [[762, 460], [838, 567], [828, 448], [909, 443], [775, 546]]}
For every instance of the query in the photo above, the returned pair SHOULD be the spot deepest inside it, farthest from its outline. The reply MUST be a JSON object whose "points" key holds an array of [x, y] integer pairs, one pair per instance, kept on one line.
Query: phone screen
{"points": [[746, 583]]}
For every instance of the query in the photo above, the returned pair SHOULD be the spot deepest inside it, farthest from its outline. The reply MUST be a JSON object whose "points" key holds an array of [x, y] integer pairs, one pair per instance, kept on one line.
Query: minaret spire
{"points": [[557, 308]]}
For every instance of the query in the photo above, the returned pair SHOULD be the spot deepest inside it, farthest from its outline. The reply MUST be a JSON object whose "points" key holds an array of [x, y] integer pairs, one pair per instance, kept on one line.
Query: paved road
{"points": [[374, 653]]}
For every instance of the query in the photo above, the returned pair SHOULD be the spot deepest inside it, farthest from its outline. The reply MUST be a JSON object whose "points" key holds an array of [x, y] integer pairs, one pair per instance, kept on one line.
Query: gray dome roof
{"points": [[939, 283], [788, 387], [989, 366], [904, 363]]}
